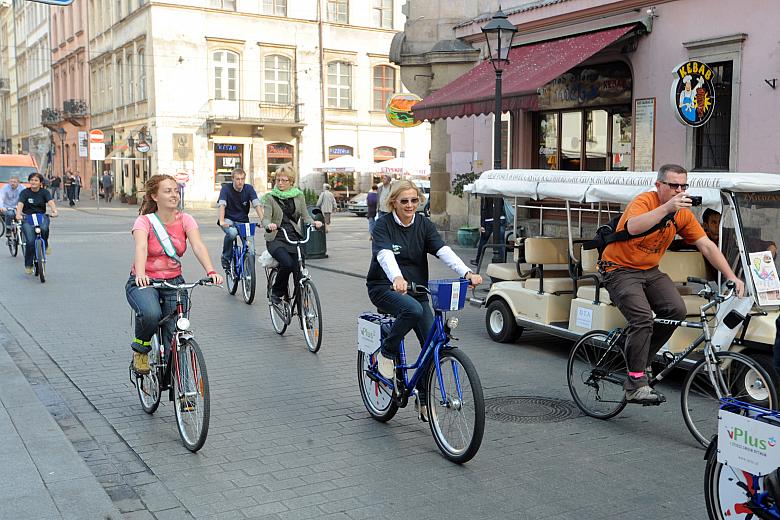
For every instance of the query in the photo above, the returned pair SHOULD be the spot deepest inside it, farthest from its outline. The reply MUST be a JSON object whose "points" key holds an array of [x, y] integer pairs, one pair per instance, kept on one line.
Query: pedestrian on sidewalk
{"points": [[108, 186], [372, 199], [486, 227], [69, 188], [384, 195], [77, 184], [56, 182], [326, 203]]}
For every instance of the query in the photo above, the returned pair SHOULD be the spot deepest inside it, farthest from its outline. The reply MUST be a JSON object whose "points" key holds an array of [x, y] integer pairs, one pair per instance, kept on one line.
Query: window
{"points": [[275, 7], [339, 85], [277, 80], [120, 82], [229, 5], [130, 80], [713, 139], [338, 11], [382, 13], [384, 85], [225, 75], [141, 75]]}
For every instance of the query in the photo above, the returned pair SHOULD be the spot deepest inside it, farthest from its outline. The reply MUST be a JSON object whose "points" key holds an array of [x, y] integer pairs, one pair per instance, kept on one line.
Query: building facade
{"points": [[199, 87], [589, 87], [68, 116], [9, 118], [33, 78]]}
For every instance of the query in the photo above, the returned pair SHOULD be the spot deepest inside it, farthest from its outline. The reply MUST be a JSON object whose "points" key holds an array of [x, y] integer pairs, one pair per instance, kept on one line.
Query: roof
{"points": [[530, 6]]}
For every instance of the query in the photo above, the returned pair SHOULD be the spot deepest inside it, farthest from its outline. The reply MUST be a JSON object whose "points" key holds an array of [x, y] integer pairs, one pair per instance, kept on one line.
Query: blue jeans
{"points": [[150, 306], [28, 230], [231, 233], [371, 224], [10, 213], [484, 237], [409, 312]]}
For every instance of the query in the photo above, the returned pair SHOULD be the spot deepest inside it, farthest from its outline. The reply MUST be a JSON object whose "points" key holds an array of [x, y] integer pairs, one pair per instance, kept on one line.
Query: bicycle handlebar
{"points": [[709, 293], [295, 242], [181, 286]]}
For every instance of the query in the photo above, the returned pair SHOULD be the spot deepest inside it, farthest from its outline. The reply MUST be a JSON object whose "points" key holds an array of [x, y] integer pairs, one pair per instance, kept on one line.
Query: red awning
{"points": [[530, 67]]}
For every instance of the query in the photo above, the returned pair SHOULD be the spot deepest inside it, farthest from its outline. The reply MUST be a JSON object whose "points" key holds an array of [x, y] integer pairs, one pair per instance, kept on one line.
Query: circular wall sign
{"points": [[693, 93], [182, 177], [142, 147], [399, 110]]}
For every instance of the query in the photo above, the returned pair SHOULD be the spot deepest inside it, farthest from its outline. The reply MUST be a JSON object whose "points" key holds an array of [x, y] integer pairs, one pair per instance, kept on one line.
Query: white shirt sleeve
{"points": [[386, 259], [453, 261]]}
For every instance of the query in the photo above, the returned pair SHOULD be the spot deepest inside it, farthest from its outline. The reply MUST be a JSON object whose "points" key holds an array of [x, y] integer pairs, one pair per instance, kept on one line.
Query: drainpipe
{"points": [[322, 81]]}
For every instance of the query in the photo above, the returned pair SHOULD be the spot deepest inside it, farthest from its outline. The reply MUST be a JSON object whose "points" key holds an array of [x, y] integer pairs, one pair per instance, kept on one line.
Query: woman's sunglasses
{"points": [[405, 202]]}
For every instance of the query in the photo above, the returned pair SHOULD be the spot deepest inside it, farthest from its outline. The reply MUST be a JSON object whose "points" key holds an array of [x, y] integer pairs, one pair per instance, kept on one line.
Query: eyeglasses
{"points": [[405, 202], [282, 179], [675, 186]]}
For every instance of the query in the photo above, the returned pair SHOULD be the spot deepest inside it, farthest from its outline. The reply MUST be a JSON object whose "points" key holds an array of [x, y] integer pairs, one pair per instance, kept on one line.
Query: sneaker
{"points": [[187, 405], [385, 366], [141, 363], [225, 264], [28, 270], [645, 395], [421, 407]]}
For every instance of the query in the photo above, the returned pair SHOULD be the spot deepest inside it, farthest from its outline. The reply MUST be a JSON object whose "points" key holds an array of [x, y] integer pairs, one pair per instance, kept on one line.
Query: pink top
{"points": [[158, 264]]}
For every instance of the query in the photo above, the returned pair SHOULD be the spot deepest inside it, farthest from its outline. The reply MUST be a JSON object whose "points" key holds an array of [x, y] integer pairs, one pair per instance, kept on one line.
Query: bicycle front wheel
{"points": [[279, 311], [148, 386], [377, 397], [192, 401], [248, 280], [732, 375], [456, 406], [40, 260], [595, 374], [311, 315], [231, 280]]}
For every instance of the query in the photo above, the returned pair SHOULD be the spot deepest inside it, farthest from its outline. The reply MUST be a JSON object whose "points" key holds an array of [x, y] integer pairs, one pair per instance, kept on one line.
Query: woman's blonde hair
{"points": [[288, 171], [149, 205], [397, 188]]}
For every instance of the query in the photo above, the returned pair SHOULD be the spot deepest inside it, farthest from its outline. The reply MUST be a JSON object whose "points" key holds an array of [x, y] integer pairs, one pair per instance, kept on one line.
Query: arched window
{"points": [[276, 83], [384, 85], [339, 85], [225, 66]]}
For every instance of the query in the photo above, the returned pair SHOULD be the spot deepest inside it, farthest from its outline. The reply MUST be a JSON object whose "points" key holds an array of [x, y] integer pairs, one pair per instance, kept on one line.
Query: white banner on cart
{"points": [[747, 444]]}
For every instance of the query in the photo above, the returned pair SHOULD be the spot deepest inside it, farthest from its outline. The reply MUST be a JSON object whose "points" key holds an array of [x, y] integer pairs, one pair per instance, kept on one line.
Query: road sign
{"points": [[97, 151], [182, 176], [96, 136]]}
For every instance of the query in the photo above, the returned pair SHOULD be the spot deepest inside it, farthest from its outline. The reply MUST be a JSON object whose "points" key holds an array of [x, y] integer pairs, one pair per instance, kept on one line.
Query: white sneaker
{"points": [[385, 366]]}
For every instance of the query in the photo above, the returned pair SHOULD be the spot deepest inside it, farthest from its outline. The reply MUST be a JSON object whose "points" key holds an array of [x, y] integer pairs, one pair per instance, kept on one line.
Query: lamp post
{"points": [[499, 33], [61, 132]]}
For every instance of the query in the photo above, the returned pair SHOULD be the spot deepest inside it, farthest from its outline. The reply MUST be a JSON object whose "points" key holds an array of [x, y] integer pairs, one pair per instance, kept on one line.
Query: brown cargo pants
{"points": [[639, 294]]}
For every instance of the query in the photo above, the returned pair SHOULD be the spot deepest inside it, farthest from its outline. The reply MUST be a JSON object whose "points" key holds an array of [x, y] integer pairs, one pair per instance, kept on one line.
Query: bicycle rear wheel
{"points": [[377, 397], [457, 421], [13, 244], [40, 260], [231, 279], [148, 386], [248, 280], [311, 315], [192, 401], [595, 374], [737, 376], [279, 311]]}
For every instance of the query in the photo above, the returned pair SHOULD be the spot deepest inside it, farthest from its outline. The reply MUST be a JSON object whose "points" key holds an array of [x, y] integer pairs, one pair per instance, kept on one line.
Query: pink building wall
{"points": [[70, 80]]}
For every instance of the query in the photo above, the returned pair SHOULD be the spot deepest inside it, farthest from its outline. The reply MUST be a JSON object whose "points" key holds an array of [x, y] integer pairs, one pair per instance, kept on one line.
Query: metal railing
{"points": [[253, 110], [74, 108], [51, 116]]}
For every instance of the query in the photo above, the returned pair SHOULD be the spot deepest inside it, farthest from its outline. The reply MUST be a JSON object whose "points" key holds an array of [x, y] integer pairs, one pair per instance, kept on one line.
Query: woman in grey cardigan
{"points": [[284, 207]]}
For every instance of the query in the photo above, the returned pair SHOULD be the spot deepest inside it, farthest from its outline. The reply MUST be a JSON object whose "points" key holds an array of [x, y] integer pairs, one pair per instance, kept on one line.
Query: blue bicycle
{"points": [[456, 406], [38, 245], [242, 263], [742, 477]]}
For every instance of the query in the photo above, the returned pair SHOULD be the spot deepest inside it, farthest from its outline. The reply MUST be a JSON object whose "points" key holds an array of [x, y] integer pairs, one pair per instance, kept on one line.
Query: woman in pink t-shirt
{"points": [[152, 263]]}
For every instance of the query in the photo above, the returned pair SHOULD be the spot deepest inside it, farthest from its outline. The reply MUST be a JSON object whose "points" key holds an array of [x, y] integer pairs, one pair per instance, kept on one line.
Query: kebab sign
{"points": [[693, 93]]}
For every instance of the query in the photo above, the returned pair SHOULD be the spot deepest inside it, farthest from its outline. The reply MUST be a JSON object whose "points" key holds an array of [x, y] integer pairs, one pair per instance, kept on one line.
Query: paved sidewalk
{"points": [[43, 476]]}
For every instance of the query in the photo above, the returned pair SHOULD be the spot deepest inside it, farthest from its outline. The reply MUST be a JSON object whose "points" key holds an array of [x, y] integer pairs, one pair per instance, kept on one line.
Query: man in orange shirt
{"points": [[638, 288]]}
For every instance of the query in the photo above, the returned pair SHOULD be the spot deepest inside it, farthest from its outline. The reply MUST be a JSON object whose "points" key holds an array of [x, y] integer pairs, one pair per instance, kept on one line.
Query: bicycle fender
{"points": [[186, 334], [713, 446]]}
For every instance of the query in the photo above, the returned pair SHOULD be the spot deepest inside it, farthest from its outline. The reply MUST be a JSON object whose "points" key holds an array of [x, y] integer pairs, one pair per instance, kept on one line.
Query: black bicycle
{"points": [[184, 375], [303, 300], [597, 369]]}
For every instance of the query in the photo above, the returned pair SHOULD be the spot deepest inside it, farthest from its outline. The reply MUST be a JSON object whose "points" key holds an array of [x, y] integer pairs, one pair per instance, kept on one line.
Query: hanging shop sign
{"points": [[594, 85], [693, 93], [398, 110]]}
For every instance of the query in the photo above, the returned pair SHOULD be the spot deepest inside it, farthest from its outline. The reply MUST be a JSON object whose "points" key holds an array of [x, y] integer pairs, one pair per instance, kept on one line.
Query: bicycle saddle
{"points": [[772, 485]]}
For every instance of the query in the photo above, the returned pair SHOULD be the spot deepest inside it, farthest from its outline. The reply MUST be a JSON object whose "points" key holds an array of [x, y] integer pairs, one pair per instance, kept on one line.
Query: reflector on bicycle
{"points": [[246, 229], [449, 294], [746, 442]]}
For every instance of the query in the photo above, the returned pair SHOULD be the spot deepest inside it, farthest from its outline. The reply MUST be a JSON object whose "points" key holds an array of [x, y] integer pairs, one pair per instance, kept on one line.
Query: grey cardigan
{"points": [[273, 215]]}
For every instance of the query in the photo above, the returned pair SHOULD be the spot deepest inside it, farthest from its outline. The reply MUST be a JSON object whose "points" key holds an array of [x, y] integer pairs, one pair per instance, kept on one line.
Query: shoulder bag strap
{"points": [[163, 237]]}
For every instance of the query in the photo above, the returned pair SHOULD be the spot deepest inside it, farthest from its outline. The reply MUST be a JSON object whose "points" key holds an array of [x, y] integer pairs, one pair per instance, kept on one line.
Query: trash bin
{"points": [[316, 247]]}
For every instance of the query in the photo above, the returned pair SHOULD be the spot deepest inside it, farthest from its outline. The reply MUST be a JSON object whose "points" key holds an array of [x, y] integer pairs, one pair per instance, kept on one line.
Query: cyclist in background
{"points": [[160, 234], [234, 201], [402, 242], [34, 200], [9, 197]]}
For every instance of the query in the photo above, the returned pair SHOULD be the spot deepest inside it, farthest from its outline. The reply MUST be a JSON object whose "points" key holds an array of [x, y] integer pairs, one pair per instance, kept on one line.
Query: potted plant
{"points": [[131, 199], [123, 197]]}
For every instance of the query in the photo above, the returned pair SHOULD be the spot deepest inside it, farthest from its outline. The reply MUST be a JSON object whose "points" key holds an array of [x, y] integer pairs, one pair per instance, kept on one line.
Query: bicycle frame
{"points": [[304, 273]]}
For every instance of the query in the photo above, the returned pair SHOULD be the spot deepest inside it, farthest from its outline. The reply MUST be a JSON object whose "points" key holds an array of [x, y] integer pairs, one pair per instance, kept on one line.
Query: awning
{"points": [[530, 67]]}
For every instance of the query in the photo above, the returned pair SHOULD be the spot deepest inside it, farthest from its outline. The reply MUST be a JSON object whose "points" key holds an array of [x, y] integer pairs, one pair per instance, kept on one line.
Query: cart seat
{"points": [[588, 292], [504, 271]]}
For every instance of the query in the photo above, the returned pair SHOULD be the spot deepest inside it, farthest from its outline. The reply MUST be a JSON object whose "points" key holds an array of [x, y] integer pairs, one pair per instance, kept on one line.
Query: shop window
{"points": [[384, 85], [712, 140], [621, 141], [547, 157], [278, 154], [227, 156], [571, 140], [595, 140], [384, 153], [339, 150]]}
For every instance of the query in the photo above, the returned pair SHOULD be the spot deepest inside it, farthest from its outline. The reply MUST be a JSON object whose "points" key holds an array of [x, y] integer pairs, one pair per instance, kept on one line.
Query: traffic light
{"points": [[53, 2]]}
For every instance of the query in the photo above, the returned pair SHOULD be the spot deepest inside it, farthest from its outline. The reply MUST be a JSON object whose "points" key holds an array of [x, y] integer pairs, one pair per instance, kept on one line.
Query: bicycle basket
{"points": [[246, 229], [449, 294]]}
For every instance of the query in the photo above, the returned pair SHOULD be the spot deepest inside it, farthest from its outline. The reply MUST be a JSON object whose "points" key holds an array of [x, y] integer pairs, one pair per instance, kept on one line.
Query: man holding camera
{"points": [[636, 286]]}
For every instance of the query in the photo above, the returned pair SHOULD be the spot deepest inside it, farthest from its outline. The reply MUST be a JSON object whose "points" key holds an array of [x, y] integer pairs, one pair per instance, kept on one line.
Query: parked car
{"points": [[425, 186], [357, 205]]}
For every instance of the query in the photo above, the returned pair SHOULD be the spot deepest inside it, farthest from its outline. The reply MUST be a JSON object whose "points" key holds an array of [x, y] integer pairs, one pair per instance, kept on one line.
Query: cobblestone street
{"points": [[289, 436]]}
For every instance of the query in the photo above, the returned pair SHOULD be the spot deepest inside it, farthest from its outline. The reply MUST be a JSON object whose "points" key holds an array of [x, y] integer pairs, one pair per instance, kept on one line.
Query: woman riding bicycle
{"points": [[160, 234], [401, 239], [284, 207], [33, 200]]}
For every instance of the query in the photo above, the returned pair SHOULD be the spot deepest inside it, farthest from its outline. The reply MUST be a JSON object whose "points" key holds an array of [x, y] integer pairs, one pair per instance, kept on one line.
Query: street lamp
{"points": [[499, 33], [61, 132]]}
